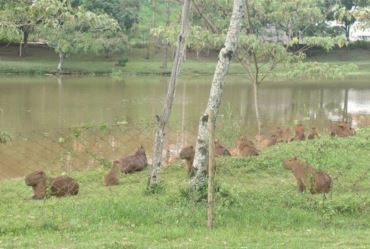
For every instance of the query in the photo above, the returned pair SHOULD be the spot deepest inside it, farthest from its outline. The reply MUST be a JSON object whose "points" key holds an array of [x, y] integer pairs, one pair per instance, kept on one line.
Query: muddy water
{"points": [[43, 115]]}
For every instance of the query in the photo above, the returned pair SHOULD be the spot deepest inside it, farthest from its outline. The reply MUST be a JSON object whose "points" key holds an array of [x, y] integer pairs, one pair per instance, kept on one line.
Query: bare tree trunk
{"points": [[256, 107], [201, 150], [166, 45], [61, 62], [162, 121], [211, 169]]}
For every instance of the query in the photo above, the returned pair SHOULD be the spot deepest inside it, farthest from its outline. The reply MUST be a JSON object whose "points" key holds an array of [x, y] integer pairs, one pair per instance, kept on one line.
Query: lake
{"points": [[82, 122]]}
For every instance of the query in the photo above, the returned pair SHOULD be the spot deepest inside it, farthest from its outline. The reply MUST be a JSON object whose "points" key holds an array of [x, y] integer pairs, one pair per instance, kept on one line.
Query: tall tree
{"points": [[163, 119], [70, 30], [18, 21], [226, 53]]}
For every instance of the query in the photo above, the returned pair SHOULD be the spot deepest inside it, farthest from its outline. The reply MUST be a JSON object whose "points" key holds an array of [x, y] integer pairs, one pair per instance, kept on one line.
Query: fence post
{"points": [[211, 168]]}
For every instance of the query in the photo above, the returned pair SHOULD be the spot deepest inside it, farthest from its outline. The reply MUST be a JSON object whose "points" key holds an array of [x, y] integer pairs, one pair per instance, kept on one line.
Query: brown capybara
{"points": [[308, 177], [38, 181], [187, 154], [59, 186], [132, 163], [264, 142], [63, 186], [220, 150], [313, 133], [299, 133], [112, 177], [341, 129], [244, 147]]}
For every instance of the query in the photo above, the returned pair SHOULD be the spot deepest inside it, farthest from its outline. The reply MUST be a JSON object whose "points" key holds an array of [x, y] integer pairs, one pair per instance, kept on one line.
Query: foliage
{"points": [[16, 20], [5, 137], [124, 11], [74, 30]]}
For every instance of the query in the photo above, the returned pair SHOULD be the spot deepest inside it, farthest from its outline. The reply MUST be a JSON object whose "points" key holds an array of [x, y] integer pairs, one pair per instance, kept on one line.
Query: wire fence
{"points": [[83, 147]]}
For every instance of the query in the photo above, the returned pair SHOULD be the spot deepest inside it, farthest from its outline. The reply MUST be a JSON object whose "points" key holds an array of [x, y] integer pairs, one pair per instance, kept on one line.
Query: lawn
{"points": [[257, 206]]}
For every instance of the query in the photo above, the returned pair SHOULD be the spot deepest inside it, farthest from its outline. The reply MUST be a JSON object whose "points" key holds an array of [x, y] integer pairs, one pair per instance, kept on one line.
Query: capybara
{"points": [[132, 163], [313, 133], [187, 153], [299, 133], [341, 129], [244, 147], [59, 186], [308, 177], [282, 136], [220, 150], [264, 142], [64, 185], [38, 181], [112, 177]]}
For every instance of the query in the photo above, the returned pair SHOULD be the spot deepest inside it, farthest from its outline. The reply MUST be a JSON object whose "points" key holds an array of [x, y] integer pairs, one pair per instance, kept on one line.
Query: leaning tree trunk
{"points": [[201, 150], [163, 119]]}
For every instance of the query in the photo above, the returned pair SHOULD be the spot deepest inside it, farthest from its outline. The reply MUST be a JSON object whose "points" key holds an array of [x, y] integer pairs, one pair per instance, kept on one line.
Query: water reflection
{"points": [[33, 106], [50, 103]]}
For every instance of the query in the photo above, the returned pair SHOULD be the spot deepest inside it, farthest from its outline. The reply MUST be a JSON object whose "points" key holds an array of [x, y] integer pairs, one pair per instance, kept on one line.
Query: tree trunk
{"points": [[256, 107], [162, 121], [166, 45], [211, 169], [61, 62], [25, 42], [201, 150]]}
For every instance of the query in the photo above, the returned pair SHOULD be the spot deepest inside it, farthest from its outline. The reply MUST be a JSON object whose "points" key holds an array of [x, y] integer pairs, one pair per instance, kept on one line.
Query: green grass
{"points": [[257, 206]]}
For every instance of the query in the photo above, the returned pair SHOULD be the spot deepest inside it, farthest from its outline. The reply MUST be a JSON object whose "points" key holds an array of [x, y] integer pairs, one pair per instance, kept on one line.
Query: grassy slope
{"points": [[258, 206]]}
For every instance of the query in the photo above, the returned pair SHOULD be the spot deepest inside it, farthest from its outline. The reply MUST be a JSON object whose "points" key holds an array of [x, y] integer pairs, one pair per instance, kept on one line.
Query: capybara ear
{"points": [[295, 158], [191, 146]]}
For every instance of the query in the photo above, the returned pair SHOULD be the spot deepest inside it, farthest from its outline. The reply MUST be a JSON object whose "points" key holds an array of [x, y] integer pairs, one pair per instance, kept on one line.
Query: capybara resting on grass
{"points": [[132, 163], [244, 147], [64, 185], [282, 135], [308, 177], [313, 133], [38, 181], [341, 129], [299, 133], [187, 153], [221, 150], [264, 142], [59, 186], [112, 176]]}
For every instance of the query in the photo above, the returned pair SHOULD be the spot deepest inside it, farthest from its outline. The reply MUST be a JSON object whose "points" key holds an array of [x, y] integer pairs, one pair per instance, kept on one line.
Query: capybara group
{"points": [[187, 154], [132, 163], [59, 186], [308, 177]]}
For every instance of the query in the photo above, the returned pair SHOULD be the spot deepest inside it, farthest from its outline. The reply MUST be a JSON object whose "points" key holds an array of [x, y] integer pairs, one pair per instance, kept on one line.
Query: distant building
{"points": [[359, 32]]}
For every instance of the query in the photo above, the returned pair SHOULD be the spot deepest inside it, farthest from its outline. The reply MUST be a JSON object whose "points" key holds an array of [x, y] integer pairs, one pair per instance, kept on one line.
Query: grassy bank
{"points": [[44, 61], [257, 206]]}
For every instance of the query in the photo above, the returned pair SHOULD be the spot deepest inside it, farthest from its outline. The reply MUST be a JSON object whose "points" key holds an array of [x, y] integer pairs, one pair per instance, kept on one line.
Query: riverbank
{"points": [[41, 61], [257, 206]]}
